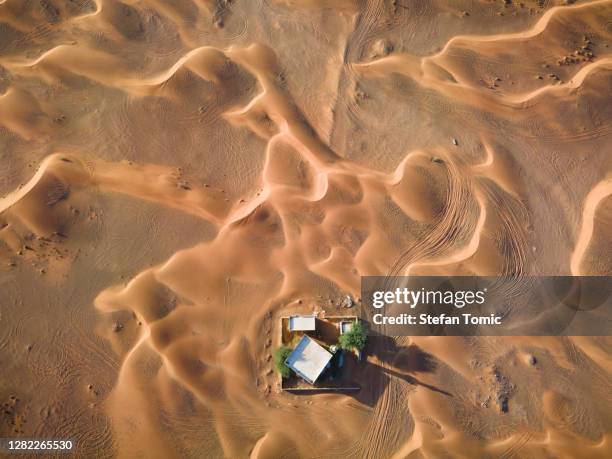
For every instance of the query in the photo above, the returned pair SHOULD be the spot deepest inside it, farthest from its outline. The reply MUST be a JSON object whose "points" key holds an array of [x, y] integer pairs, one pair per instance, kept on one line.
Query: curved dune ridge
{"points": [[197, 170]]}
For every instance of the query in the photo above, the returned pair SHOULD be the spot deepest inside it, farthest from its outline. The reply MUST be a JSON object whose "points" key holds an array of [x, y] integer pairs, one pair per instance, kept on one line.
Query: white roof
{"points": [[345, 326], [308, 359], [302, 323]]}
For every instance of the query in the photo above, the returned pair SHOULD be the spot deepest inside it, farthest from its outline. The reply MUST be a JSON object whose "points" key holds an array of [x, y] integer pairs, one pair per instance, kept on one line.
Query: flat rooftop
{"points": [[302, 323], [308, 359]]}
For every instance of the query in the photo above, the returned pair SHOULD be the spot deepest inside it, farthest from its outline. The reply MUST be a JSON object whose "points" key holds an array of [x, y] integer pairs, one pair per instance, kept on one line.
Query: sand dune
{"points": [[177, 176]]}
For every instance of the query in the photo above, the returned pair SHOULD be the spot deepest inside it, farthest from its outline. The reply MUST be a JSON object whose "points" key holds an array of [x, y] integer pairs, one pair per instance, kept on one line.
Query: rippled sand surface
{"points": [[178, 175]]}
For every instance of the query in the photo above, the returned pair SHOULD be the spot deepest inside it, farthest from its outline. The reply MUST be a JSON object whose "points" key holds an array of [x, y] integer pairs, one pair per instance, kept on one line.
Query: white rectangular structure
{"points": [[302, 323], [308, 359], [345, 327]]}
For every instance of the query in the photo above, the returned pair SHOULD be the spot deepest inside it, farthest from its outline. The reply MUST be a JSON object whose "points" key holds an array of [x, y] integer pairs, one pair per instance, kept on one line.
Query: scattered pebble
{"points": [[348, 302]]}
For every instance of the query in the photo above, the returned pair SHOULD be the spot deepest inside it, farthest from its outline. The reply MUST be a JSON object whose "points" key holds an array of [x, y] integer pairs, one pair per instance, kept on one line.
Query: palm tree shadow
{"points": [[395, 362]]}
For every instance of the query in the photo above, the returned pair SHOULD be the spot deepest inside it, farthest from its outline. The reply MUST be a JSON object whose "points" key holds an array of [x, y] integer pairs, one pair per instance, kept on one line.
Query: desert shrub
{"points": [[355, 338], [280, 355]]}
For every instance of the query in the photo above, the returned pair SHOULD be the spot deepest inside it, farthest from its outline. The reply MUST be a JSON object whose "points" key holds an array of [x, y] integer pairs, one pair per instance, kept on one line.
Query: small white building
{"points": [[345, 326], [308, 359], [302, 323]]}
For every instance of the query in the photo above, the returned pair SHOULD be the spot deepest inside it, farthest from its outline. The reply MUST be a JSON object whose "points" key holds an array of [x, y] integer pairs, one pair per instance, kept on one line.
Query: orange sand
{"points": [[179, 175]]}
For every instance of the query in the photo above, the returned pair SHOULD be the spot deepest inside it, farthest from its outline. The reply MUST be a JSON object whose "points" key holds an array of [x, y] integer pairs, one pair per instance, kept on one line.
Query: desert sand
{"points": [[175, 176]]}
